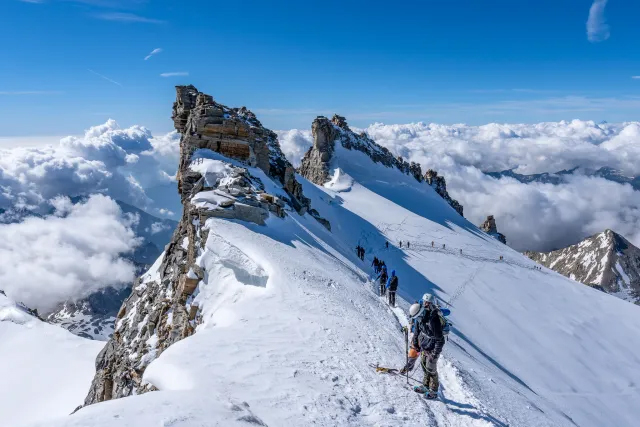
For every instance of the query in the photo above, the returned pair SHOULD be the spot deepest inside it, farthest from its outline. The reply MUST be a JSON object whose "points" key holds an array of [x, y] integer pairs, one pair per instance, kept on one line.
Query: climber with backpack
{"points": [[392, 286], [429, 338], [383, 279]]}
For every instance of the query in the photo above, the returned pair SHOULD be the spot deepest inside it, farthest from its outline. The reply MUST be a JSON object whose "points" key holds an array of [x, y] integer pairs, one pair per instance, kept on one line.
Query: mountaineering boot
{"points": [[421, 389], [431, 395]]}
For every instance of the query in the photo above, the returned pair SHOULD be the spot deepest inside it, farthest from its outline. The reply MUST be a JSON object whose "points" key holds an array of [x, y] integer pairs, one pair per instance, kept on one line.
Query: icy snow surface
{"points": [[45, 371], [291, 324]]}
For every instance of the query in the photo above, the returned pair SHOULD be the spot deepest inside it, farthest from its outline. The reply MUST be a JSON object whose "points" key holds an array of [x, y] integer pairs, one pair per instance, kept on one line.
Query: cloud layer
{"points": [[597, 27], [69, 254], [120, 163], [532, 216]]}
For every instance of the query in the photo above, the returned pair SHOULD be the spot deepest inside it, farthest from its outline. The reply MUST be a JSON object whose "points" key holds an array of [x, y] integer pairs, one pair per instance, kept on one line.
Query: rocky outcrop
{"points": [[489, 226], [606, 261], [316, 162], [160, 310], [233, 132], [440, 186]]}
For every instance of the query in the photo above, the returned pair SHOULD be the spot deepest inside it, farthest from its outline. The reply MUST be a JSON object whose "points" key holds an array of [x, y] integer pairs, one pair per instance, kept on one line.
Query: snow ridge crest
{"points": [[316, 161]]}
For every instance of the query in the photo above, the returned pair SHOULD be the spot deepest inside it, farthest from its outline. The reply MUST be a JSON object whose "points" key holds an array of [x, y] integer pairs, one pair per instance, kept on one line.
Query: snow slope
{"points": [[291, 324], [44, 369]]}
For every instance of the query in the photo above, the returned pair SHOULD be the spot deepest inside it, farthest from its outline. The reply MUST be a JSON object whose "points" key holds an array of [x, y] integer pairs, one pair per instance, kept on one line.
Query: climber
{"points": [[429, 340], [383, 278], [415, 313], [400, 244], [408, 245], [375, 264], [362, 254], [392, 286], [386, 244]]}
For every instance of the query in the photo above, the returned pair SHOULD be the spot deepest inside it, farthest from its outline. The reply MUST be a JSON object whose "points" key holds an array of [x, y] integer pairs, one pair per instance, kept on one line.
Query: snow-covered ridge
{"points": [[319, 160], [282, 315], [605, 260]]}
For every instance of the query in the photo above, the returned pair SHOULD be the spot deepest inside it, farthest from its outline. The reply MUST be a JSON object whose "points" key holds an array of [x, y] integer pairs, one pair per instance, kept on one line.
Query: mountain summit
{"points": [[606, 261]]}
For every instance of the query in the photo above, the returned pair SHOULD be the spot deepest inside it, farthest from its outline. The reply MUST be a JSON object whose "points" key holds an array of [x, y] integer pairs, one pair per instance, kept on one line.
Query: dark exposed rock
{"points": [[440, 185], [315, 164], [233, 132], [489, 226]]}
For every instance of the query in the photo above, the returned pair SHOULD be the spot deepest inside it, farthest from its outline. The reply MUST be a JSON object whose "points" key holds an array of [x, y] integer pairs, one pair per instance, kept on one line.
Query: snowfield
{"points": [[45, 371], [292, 325]]}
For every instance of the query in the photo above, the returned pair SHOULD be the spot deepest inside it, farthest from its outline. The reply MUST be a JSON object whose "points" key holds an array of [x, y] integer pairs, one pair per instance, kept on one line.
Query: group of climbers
{"points": [[388, 283], [428, 329], [360, 252]]}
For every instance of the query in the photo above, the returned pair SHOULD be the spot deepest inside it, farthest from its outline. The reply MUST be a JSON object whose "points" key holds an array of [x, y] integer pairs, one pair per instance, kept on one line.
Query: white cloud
{"points": [[175, 74], [543, 216], [127, 18], [152, 53], [294, 144], [117, 162], [69, 254], [532, 216], [597, 27], [105, 77], [30, 92], [635, 77]]}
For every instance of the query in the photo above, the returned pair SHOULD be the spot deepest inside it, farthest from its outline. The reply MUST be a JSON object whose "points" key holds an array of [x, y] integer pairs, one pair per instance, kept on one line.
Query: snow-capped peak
{"points": [[606, 261]]}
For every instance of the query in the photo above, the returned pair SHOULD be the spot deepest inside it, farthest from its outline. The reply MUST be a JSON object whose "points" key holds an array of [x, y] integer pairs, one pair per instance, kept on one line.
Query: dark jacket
{"points": [[392, 283], [428, 334], [383, 277]]}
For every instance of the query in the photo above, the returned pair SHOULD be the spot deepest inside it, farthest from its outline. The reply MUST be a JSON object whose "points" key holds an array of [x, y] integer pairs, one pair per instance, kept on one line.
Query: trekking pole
{"points": [[406, 352]]}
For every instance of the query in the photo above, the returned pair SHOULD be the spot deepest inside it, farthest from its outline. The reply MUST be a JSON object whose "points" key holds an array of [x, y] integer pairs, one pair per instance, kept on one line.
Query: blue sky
{"points": [[71, 64]]}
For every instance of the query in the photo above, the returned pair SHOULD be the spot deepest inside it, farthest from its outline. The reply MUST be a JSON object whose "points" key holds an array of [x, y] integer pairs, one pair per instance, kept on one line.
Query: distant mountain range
{"points": [[561, 176], [606, 261]]}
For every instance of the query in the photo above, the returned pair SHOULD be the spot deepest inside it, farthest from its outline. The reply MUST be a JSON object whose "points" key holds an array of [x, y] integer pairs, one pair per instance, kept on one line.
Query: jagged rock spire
{"points": [[233, 132], [489, 226]]}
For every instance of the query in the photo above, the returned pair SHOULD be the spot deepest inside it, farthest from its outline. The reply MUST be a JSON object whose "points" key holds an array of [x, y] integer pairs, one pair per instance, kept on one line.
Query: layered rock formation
{"points": [[160, 309], [489, 226], [316, 163], [233, 132], [606, 261]]}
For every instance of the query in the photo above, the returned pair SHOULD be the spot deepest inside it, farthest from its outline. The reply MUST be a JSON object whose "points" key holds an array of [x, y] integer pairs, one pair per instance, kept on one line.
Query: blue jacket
{"points": [[392, 281]]}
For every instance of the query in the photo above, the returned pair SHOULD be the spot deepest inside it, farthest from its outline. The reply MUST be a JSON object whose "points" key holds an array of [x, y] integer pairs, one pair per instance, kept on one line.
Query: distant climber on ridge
{"points": [[392, 286]]}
